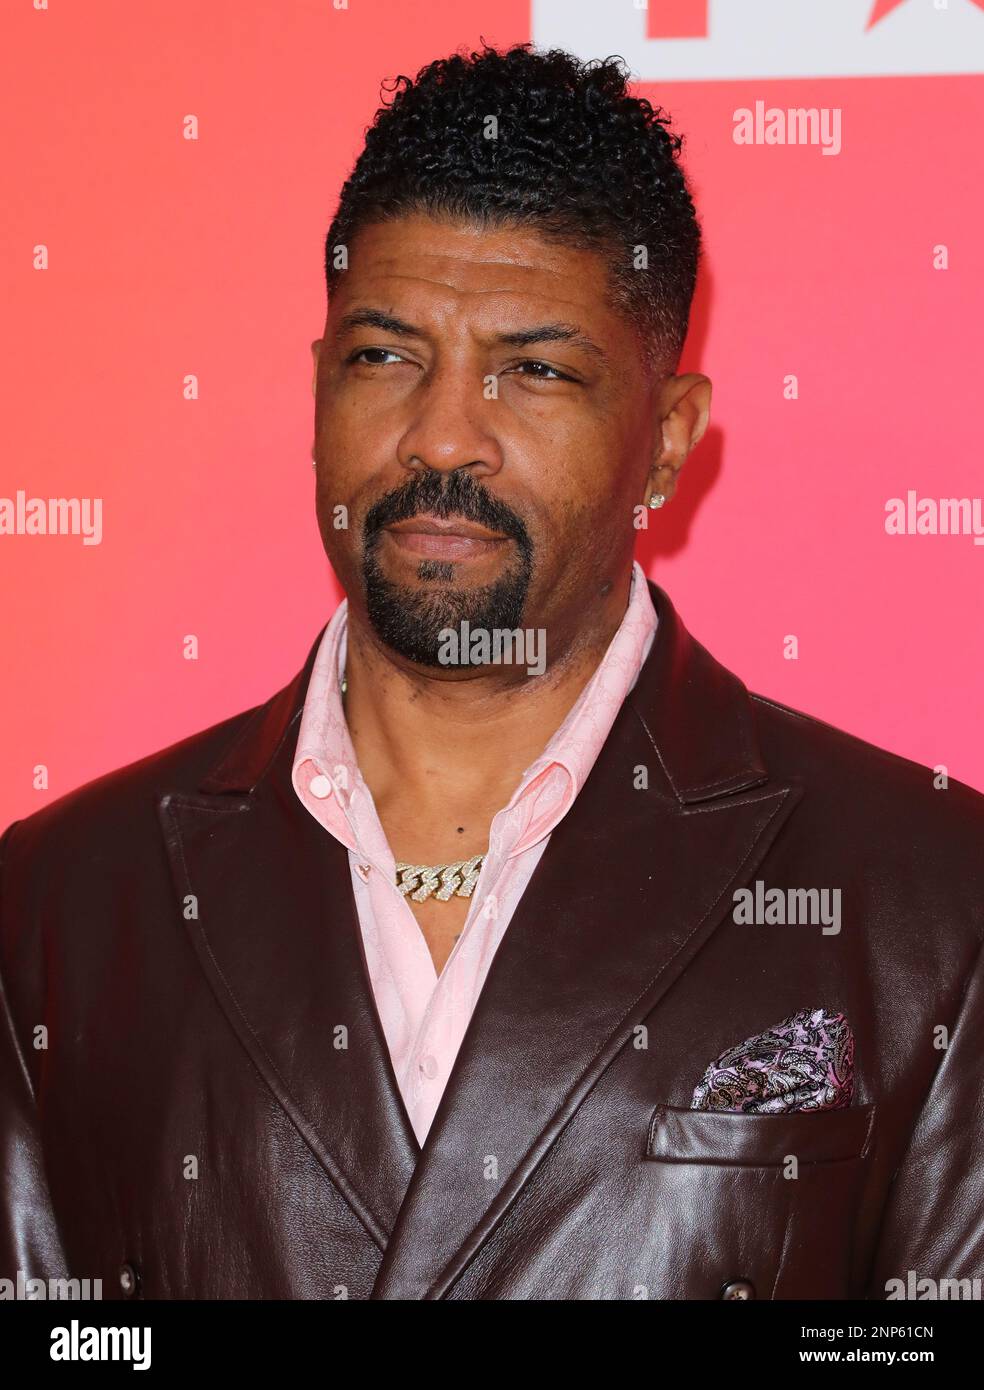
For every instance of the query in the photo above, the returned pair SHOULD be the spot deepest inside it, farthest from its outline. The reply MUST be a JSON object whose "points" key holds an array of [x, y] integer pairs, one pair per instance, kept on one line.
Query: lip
{"points": [[427, 525], [439, 539]]}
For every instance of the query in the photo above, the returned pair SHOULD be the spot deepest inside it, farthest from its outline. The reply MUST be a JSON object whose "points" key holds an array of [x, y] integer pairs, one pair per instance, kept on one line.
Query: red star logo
{"points": [[687, 19], [883, 7]]}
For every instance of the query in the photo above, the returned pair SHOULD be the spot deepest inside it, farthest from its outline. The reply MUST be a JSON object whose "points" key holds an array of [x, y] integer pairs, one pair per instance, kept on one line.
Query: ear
{"points": [[315, 353], [685, 408]]}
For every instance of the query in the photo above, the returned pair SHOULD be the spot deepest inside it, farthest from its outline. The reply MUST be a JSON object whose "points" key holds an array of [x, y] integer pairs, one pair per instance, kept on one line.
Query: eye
{"points": [[385, 352], [541, 369]]}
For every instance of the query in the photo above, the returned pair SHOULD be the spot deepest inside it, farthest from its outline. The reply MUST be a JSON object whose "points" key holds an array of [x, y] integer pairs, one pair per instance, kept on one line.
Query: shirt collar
{"points": [[549, 785]]}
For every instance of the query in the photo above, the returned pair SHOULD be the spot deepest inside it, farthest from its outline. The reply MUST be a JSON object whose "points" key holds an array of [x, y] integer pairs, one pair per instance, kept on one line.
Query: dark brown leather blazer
{"points": [[215, 1115]]}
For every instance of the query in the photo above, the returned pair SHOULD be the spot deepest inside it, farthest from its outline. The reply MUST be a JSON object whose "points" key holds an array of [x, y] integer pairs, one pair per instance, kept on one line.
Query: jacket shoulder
{"points": [[869, 783], [93, 811]]}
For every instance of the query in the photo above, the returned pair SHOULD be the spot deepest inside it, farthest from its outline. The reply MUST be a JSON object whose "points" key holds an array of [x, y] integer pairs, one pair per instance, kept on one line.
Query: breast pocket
{"points": [[759, 1141], [759, 1206]]}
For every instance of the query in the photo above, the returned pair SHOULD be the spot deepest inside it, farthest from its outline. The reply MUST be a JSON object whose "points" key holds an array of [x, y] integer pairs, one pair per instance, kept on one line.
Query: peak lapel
{"points": [[631, 885], [277, 936]]}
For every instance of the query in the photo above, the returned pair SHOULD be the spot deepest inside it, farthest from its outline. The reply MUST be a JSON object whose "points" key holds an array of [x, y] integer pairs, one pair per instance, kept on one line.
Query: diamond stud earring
{"points": [[657, 500]]}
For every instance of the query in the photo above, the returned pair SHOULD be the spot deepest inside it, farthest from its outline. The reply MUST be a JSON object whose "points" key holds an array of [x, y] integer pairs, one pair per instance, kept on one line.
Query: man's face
{"points": [[484, 417]]}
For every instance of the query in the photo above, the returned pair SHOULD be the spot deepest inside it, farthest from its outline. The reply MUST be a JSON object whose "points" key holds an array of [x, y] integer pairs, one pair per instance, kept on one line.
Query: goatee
{"points": [[409, 620]]}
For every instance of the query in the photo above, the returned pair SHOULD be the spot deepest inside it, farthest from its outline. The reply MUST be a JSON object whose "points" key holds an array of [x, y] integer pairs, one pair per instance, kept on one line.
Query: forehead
{"points": [[452, 266]]}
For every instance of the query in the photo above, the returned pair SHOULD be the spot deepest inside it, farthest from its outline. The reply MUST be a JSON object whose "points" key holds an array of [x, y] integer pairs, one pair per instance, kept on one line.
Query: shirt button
{"points": [[429, 1067], [320, 786]]}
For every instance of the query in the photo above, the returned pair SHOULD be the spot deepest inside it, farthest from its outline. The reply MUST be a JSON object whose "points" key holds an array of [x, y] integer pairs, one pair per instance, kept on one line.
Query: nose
{"points": [[452, 423]]}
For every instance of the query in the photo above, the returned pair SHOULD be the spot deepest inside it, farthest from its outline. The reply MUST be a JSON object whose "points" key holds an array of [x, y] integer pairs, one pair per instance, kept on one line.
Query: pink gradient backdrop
{"points": [[171, 257]]}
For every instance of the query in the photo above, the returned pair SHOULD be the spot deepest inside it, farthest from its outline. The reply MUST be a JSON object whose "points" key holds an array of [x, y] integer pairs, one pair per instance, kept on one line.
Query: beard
{"points": [[410, 620]]}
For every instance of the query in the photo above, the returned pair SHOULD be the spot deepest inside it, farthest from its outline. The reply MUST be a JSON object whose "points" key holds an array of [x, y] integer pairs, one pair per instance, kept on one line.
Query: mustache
{"points": [[444, 496]]}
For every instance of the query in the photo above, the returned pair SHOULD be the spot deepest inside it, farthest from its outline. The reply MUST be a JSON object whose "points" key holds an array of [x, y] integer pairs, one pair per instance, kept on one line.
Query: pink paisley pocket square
{"points": [[806, 1062]]}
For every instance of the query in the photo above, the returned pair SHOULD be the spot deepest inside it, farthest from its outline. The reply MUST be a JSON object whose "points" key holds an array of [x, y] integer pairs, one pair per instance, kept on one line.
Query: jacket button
{"points": [[739, 1288], [128, 1280]]}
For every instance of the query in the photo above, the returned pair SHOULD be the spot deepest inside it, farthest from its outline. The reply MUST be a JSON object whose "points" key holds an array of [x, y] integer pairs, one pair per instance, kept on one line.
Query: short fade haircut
{"points": [[574, 157]]}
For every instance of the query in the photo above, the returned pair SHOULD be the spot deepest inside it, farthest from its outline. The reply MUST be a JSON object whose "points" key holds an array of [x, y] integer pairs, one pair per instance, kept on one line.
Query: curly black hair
{"points": [[571, 154]]}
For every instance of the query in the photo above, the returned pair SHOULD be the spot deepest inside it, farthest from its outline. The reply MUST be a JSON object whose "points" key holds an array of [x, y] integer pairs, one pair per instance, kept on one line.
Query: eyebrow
{"points": [[524, 337]]}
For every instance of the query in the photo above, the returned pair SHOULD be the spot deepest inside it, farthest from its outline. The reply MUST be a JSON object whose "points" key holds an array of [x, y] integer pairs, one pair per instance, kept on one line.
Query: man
{"points": [[513, 950]]}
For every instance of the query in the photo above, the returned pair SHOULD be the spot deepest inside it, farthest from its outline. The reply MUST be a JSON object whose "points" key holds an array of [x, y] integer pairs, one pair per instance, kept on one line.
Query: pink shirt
{"points": [[424, 1016]]}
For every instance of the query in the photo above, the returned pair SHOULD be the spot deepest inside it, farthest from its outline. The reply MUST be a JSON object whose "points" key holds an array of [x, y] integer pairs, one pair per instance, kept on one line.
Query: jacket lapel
{"points": [[633, 882], [277, 935]]}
